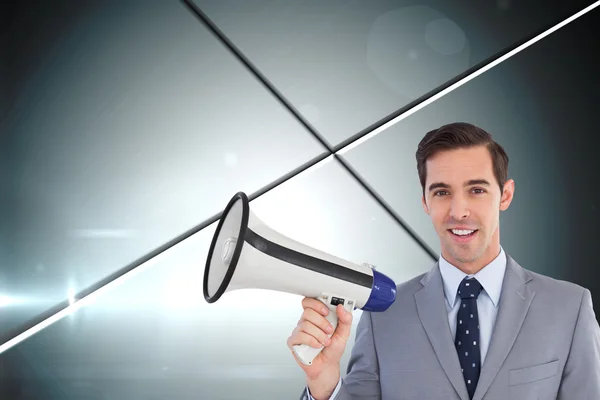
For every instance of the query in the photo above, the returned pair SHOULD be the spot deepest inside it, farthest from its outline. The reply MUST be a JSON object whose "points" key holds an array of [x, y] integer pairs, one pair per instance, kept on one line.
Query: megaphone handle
{"points": [[305, 353]]}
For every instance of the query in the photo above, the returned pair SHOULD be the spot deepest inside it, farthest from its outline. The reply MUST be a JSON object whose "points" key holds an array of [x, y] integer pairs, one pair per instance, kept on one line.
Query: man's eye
{"points": [[439, 192], [479, 190]]}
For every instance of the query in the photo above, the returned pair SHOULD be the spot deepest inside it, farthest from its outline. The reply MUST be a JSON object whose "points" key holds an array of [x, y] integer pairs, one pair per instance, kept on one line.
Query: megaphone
{"points": [[246, 253]]}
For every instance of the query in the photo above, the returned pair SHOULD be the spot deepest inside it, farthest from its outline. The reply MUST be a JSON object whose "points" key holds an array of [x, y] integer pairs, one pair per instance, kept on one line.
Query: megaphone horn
{"points": [[247, 253]]}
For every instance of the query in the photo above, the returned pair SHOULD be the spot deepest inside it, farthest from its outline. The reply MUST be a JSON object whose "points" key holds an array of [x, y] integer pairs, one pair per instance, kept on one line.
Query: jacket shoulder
{"points": [[410, 286], [545, 283]]}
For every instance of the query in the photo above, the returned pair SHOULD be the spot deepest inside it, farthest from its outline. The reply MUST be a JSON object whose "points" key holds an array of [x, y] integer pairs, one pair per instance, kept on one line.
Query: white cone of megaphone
{"points": [[246, 253]]}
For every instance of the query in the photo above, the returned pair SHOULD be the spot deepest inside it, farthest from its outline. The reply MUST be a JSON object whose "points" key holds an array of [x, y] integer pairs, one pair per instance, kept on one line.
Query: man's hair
{"points": [[460, 135]]}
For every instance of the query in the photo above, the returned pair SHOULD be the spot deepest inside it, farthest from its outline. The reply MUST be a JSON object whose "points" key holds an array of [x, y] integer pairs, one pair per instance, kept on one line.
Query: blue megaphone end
{"points": [[383, 293]]}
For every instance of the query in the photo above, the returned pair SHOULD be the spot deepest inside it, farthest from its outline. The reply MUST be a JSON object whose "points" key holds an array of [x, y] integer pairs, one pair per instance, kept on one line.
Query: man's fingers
{"points": [[317, 319], [301, 337], [313, 330], [344, 325], [315, 312], [309, 302]]}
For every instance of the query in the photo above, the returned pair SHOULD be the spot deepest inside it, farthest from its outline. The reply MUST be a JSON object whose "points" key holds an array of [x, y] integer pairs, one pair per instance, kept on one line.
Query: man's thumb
{"points": [[344, 325]]}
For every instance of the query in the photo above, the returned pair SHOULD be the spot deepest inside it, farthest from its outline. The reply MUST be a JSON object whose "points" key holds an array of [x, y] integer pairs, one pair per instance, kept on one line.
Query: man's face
{"points": [[463, 199]]}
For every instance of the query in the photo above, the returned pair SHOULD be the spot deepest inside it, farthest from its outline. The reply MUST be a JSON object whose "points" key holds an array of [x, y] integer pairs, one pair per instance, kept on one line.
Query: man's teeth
{"points": [[461, 232]]}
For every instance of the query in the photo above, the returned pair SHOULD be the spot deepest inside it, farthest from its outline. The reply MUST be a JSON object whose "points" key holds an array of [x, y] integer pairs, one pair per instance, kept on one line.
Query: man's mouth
{"points": [[463, 234]]}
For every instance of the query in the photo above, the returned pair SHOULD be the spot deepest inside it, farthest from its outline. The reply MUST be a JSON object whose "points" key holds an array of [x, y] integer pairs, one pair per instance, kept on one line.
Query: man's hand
{"points": [[312, 329]]}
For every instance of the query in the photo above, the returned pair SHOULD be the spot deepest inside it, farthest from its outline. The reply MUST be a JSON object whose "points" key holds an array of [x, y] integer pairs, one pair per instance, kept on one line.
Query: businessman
{"points": [[477, 325]]}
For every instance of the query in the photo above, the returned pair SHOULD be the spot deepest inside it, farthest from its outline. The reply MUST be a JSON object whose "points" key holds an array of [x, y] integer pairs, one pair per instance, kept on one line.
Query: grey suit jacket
{"points": [[545, 345]]}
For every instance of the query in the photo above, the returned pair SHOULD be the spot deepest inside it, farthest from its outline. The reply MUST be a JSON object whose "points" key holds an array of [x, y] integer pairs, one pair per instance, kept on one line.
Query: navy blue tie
{"points": [[467, 333]]}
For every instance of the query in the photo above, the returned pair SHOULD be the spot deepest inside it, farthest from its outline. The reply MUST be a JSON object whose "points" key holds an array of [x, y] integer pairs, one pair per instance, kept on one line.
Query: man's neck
{"points": [[477, 265]]}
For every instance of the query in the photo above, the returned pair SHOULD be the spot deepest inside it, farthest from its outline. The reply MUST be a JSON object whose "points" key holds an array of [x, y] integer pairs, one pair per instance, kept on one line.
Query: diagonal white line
{"points": [[466, 79], [76, 304]]}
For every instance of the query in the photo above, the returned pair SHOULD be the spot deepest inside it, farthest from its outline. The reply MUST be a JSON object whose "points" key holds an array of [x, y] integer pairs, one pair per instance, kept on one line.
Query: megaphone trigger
{"points": [[306, 354]]}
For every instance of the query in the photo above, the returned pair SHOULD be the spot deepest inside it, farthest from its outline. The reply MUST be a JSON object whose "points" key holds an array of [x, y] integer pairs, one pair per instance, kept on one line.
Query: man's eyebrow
{"points": [[477, 182], [437, 185], [471, 182]]}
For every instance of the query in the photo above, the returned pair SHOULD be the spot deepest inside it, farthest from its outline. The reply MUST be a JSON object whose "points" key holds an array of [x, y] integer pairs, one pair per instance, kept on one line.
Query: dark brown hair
{"points": [[461, 135]]}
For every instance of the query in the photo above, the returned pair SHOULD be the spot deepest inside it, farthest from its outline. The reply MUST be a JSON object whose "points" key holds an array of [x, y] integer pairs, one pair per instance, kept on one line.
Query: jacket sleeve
{"points": [[581, 375]]}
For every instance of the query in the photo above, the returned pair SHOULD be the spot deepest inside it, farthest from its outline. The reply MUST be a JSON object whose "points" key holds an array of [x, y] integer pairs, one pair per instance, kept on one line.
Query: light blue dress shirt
{"points": [[491, 278]]}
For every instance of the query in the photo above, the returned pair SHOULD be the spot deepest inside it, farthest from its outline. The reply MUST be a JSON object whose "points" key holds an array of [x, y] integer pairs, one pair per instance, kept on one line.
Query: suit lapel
{"points": [[515, 300], [434, 317]]}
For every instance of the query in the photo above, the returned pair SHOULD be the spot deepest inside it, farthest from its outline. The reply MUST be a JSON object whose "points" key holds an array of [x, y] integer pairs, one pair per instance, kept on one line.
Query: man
{"points": [[477, 325]]}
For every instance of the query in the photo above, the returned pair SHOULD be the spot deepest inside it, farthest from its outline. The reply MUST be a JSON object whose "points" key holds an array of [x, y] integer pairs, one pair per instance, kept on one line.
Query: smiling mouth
{"points": [[463, 233]]}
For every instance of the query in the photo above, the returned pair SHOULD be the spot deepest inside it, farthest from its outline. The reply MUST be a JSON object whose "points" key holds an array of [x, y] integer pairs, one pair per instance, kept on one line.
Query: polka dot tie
{"points": [[467, 333]]}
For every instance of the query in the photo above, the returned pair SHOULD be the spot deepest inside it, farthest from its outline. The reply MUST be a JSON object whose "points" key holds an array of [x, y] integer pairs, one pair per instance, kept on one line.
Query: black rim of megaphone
{"points": [[236, 252]]}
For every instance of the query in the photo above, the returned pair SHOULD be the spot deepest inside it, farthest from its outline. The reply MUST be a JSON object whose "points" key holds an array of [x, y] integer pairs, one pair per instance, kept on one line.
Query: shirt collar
{"points": [[490, 277]]}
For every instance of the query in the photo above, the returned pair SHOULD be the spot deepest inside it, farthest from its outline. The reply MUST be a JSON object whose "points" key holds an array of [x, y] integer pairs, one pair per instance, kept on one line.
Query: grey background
{"points": [[125, 124]]}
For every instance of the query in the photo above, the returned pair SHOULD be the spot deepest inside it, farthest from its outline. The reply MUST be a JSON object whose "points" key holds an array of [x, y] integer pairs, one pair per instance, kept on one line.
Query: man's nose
{"points": [[459, 208]]}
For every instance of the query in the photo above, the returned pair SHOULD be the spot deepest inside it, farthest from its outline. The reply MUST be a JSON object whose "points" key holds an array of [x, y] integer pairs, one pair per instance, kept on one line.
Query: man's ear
{"points": [[507, 194], [424, 204]]}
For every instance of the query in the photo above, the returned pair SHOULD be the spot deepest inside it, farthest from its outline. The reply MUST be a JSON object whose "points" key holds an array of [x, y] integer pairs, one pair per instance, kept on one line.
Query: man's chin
{"points": [[464, 254]]}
